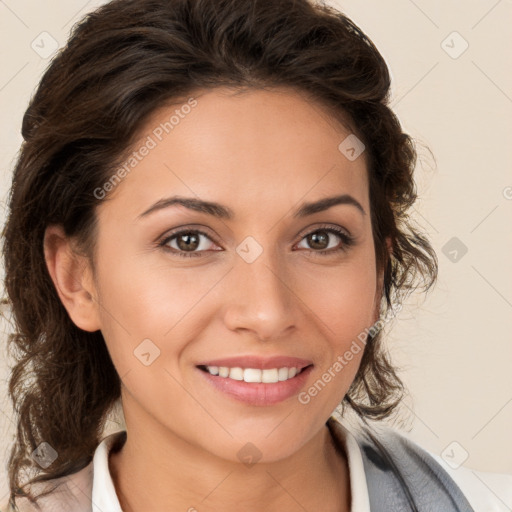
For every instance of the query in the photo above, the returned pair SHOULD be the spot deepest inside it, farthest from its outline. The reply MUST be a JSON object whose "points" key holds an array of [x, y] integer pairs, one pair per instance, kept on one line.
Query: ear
{"points": [[73, 279]]}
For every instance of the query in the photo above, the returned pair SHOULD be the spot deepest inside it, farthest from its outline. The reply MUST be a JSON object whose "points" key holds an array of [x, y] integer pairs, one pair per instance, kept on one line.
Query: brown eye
{"points": [[188, 243], [318, 240], [323, 241]]}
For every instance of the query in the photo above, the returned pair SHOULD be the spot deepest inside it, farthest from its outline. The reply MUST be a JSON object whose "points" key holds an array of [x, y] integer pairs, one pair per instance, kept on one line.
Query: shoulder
{"points": [[421, 469], [71, 493], [486, 491], [75, 492]]}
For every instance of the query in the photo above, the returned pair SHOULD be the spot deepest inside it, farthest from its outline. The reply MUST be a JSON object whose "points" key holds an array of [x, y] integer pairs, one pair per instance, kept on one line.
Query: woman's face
{"points": [[246, 284]]}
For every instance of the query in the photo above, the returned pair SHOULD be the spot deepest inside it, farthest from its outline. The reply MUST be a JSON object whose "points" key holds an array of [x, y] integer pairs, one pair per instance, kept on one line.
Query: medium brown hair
{"points": [[121, 63]]}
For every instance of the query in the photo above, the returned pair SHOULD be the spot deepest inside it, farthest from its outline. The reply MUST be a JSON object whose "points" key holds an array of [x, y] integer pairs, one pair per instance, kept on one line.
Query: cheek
{"points": [[343, 296], [145, 295], [141, 300], [342, 299], [149, 315]]}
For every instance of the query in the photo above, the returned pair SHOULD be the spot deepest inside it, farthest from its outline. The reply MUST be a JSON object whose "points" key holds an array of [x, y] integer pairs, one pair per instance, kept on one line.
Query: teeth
{"points": [[252, 375], [283, 373], [236, 373], [267, 376], [214, 370]]}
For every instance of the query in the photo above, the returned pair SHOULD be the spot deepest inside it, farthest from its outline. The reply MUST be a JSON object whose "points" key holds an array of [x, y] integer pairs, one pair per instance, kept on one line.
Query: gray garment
{"points": [[402, 477]]}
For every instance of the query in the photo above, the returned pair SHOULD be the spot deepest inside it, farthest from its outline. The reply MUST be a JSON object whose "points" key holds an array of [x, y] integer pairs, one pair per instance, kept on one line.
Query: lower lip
{"points": [[257, 393]]}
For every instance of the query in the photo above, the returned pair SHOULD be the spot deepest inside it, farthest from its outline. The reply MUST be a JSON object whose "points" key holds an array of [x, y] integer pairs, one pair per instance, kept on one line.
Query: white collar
{"points": [[104, 497]]}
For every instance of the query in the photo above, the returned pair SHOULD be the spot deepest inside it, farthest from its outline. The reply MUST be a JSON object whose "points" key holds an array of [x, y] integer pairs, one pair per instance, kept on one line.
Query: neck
{"points": [[147, 477]]}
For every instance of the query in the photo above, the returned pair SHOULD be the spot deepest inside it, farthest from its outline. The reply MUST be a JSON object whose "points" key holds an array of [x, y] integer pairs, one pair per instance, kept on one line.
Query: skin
{"points": [[262, 154]]}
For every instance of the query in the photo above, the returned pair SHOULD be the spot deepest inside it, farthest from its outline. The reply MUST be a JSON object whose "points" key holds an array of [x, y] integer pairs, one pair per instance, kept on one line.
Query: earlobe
{"points": [[72, 277]]}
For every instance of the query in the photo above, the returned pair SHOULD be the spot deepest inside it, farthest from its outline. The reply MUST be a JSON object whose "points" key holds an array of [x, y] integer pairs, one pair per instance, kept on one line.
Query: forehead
{"points": [[252, 147]]}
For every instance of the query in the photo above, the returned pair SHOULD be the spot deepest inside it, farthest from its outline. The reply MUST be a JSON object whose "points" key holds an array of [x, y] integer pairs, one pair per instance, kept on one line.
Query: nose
{"points": [[260, 299]]}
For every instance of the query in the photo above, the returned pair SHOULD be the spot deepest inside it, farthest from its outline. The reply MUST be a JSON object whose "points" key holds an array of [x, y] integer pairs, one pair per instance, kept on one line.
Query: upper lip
{"points": [[259, 362]]}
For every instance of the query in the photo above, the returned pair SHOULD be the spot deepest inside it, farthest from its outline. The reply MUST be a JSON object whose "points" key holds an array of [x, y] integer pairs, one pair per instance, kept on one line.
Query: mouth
{"points": [[257, 381]]}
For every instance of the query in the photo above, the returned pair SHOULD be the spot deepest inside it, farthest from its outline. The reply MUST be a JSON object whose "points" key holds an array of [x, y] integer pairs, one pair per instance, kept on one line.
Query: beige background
{"points": [[456, 346]]}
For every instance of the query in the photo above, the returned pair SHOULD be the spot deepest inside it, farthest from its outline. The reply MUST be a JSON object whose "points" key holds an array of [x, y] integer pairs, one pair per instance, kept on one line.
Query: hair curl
{"points": [[121, 63]]}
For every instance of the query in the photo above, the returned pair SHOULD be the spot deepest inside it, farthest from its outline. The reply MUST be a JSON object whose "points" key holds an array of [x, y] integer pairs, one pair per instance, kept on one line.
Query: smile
{"points": [[257, 386]]}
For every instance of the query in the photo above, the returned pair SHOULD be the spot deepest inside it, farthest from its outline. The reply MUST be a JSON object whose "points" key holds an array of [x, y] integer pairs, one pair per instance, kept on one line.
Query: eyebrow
{"points": [[223, 212]]}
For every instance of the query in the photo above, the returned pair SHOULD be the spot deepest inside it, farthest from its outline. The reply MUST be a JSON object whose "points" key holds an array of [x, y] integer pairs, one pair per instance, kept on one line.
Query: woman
{"points": [[208, 222]]}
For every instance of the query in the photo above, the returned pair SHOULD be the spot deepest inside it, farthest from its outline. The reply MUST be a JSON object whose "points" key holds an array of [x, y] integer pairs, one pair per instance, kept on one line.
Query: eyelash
{"points": [[347, 241]]}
